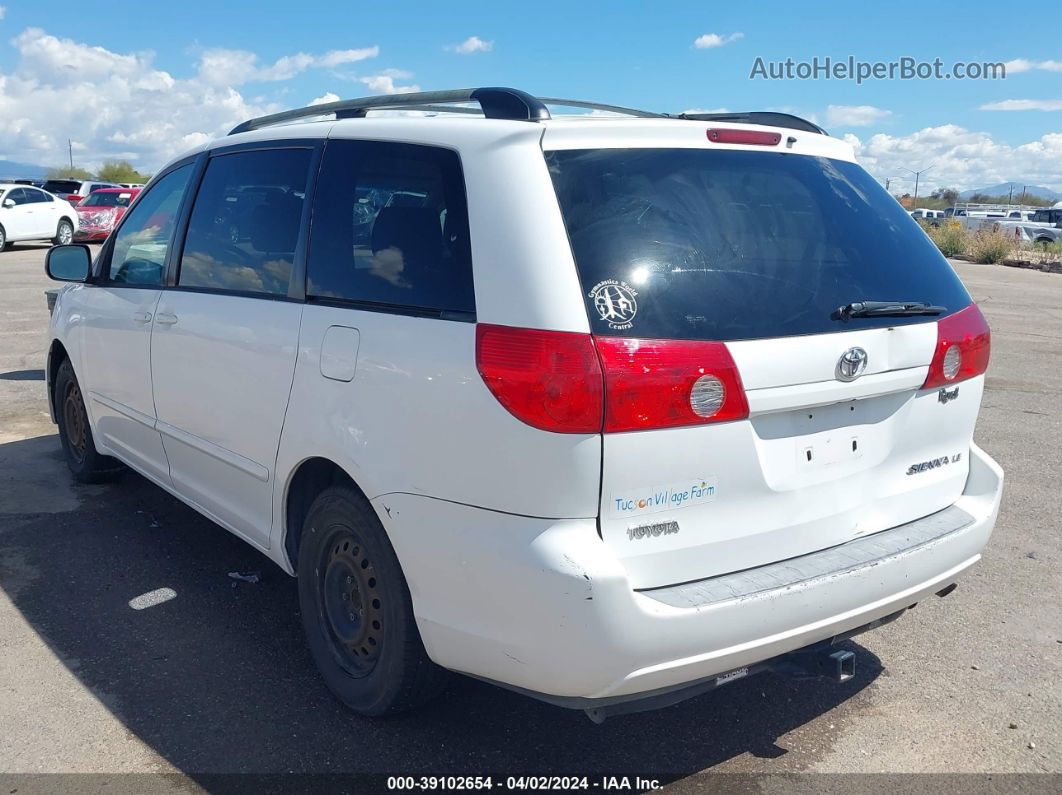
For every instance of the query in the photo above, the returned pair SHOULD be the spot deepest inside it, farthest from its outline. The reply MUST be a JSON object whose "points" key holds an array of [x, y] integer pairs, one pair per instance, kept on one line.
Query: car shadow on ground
{"points": [[217, 679]]}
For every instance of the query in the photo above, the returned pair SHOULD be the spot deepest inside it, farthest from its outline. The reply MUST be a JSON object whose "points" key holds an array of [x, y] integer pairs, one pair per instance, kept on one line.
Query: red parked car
{"points": [[98, 212]]}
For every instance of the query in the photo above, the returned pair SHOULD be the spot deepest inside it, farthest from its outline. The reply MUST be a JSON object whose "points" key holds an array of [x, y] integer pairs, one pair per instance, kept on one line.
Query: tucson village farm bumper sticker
{"points": [[668, 497]]}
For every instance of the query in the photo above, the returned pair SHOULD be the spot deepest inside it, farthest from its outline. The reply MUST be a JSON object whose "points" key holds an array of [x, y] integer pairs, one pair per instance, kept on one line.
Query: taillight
{"points": [[668, 383], [548, 379], [964, 343], [754, 137]]}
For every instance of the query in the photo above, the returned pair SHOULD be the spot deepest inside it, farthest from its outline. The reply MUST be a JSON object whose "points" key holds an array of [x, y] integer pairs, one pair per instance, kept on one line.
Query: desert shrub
{"points": [[1050, 250], [990, 245], [950, 237]]}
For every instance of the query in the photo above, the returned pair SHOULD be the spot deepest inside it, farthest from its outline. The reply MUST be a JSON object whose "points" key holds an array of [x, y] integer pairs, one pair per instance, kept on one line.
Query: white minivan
{"points": [[607, 410]]}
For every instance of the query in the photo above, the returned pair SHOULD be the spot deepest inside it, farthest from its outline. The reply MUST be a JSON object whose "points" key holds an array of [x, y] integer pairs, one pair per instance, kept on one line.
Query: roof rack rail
{"points": [[494, 103], [769, 118]]}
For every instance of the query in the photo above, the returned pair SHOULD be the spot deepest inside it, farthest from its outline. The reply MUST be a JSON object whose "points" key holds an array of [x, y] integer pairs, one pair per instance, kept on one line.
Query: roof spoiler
{"points": [[764, 117]]}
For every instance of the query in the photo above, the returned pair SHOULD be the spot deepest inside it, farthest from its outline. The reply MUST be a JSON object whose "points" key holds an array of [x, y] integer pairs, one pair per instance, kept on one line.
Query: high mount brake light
{"points": [[574, 383], [721, 135], [964, 344]]}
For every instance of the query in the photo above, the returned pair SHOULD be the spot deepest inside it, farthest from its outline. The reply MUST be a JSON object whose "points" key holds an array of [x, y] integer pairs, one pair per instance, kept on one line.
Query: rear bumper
{"points": [[543, 605]]}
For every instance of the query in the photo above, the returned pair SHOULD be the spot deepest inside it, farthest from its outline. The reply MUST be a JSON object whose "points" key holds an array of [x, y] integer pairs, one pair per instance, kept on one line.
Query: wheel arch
{"points": [[308, 479], [56, 356]]}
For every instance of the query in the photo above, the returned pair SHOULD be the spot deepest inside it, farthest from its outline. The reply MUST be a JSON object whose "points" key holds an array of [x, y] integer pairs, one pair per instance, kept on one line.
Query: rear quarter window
{"points": [[730, 245], [390, 229]]}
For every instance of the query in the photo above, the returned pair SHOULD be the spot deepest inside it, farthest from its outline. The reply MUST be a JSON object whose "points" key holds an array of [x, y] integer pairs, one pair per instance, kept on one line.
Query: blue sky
{"points": [[225, 58]]}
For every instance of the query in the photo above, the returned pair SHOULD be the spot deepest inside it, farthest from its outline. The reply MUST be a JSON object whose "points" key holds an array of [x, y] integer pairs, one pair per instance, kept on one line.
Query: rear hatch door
{"points": [[755, 253]]}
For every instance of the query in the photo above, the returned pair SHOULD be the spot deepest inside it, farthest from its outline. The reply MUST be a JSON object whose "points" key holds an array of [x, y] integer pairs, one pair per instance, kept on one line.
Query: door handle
{"points": [[142, 317], [165, 318]]}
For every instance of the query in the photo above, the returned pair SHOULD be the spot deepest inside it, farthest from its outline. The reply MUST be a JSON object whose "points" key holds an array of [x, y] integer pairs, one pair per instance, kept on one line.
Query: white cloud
{"points": [[707, 110], [962, 158], [472, 44], [3, 11], [384, 82], [1024, 104], [119, 105], [325, 98], [1019, 65], [338, 57], [236, 67], [855, 115], [710, 40]]}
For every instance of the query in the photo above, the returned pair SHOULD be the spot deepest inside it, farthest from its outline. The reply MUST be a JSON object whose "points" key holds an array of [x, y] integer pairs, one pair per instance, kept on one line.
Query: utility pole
{"points": [[1023, 189], [917, 175], [889, 179], [70, 150]]}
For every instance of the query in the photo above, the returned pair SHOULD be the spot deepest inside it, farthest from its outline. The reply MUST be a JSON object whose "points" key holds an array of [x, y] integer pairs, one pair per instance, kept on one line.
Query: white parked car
{"points": [[28, 213], [610, 411]]}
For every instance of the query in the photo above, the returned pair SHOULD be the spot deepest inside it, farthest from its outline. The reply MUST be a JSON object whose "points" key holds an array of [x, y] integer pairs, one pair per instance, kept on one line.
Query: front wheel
{"points": [[357, 612], [3, 239], [64, 233], [75, 434]]}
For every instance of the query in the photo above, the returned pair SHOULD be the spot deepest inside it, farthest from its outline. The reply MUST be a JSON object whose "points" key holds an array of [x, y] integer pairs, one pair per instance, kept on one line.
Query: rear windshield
{"points": [[100, 199], [62, 186], [730, 245]]}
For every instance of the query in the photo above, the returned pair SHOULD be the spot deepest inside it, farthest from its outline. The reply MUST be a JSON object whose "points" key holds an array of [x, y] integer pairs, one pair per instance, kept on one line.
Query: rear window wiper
{"points": [[886, 309]]}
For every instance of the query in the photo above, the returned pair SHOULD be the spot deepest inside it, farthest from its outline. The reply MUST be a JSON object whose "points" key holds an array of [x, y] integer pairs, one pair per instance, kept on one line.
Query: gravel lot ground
{"points": [[218, 680]]}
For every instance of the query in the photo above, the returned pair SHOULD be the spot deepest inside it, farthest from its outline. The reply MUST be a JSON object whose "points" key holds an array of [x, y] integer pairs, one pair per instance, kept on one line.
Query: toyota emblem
{"points": [[851, 364]]}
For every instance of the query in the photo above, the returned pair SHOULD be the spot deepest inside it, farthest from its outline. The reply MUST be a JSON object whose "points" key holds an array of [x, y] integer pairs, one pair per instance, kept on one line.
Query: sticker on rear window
{"points": [[634, 502], [616, 303]]}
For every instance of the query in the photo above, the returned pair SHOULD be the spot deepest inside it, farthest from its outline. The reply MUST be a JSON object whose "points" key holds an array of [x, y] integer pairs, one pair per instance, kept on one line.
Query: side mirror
{"points": [[71, 263], [9, 202]]}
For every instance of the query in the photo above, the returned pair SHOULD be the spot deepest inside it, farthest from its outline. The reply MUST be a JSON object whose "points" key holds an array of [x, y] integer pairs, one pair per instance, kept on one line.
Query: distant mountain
{"points": [[1004, 188], [9, 169]]}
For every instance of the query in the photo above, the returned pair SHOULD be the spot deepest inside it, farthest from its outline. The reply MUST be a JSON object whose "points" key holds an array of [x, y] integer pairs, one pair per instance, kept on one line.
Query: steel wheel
{"points": [[350, 603], [75, 422]]}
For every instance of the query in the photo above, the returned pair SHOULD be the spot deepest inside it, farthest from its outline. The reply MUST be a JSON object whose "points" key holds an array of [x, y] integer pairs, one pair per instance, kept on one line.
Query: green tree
{"points": [[68, 172], [947, 195], [121, 171]]}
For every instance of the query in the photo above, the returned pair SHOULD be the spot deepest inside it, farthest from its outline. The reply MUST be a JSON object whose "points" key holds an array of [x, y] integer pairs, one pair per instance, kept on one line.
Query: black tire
{"points": [[75, 433], [64, 233], [357, 612], [3, 239]]}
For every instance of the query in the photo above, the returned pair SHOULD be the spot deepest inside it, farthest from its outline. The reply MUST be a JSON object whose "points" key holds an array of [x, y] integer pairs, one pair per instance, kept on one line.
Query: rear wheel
{"points": [[64, 233], [75, 433], [357, 612], [3, 239]]}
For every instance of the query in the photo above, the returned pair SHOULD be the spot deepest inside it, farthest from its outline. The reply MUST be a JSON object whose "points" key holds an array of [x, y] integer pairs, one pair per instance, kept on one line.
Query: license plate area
{"points": [[827, 449]]}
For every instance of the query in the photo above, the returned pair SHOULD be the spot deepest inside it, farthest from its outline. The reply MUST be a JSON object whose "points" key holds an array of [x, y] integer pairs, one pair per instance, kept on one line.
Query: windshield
{"points": [[100, 199], [729, 245]]}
